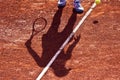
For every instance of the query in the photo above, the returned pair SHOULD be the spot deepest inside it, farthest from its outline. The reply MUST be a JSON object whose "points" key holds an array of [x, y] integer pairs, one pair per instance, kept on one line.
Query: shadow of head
{"points": [[61, 72]]}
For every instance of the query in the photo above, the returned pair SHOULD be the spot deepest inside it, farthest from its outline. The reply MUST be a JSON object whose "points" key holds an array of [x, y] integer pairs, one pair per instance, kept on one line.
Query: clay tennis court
{"points": [[92, 54]]}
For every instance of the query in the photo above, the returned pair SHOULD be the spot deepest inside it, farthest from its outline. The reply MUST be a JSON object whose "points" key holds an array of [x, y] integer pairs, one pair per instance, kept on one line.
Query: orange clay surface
{"points": [[92, 54]]}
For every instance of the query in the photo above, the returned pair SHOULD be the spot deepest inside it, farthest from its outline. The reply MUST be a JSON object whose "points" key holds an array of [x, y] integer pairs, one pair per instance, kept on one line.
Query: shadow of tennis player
{"points": [[51, 42]]}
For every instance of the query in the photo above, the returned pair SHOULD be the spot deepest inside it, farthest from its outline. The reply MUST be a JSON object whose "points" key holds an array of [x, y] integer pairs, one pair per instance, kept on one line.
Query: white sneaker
{"points": [[78, 7], [61, 3]]}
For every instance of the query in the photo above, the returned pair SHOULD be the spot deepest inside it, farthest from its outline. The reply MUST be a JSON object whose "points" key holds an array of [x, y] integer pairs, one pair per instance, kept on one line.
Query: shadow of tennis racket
{"points": [[39, 25]]}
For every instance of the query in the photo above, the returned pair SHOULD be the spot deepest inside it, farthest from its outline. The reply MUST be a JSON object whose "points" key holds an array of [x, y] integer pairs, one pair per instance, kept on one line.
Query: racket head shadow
{"points": [[39, 25]]}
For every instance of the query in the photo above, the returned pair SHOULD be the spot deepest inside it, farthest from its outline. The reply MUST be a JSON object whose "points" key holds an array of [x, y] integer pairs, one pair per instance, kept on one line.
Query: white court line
{"points": [[67, 40]]}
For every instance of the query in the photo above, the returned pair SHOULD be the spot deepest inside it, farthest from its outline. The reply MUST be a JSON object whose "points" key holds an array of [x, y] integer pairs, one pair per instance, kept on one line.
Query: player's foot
{"points": [[61, 3], [78, 7]]}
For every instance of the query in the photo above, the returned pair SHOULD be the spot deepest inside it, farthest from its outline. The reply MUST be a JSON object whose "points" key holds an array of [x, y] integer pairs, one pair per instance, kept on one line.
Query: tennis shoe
{"points": [[78, 7], [61, 3]]}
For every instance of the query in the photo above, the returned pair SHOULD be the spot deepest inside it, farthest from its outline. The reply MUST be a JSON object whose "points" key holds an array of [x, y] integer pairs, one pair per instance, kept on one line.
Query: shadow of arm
{"points": [[71, 47]]}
